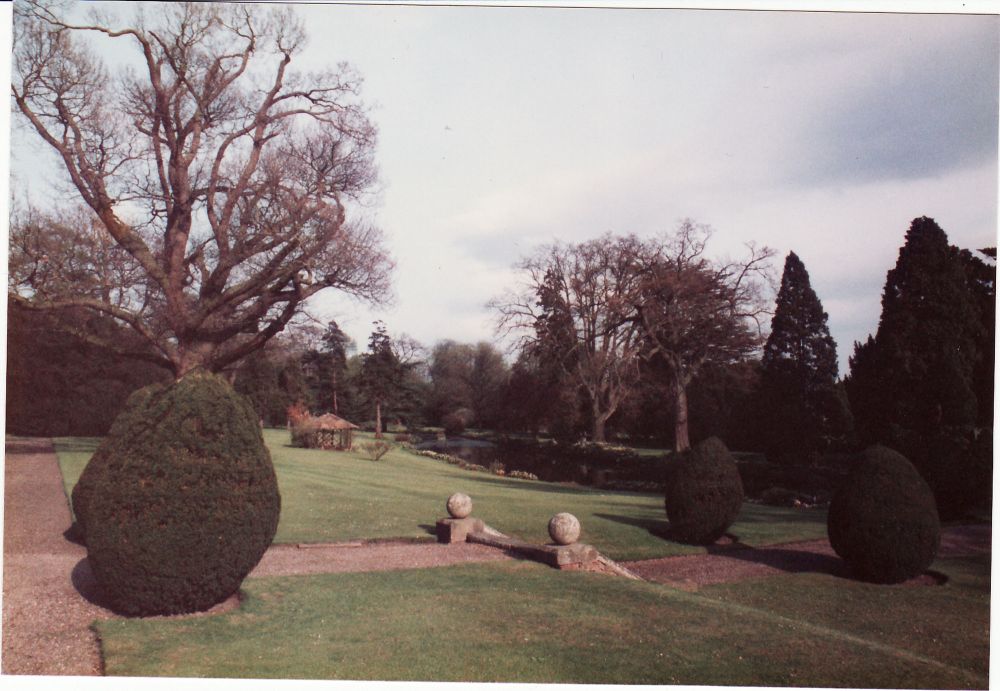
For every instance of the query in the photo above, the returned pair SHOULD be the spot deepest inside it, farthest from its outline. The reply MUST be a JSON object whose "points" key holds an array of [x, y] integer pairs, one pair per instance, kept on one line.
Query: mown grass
{"points": [[523, 622], [335, 496], [951, 623]]}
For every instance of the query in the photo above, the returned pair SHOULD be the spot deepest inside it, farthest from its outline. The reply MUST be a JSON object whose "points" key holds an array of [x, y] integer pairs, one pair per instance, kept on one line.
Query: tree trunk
{"points": [[598, 432], [191, 357], [378, 419], [682, 442], [334, 382]]}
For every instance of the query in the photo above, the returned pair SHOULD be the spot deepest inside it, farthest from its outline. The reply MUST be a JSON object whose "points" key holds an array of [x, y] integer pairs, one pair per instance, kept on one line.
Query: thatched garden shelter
{"points": [[324, 432]]}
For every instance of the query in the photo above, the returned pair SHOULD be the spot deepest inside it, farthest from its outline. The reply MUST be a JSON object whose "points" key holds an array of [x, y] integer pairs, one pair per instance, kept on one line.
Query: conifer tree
{"points": [[800, 343], [799, 402], [926, 340], [913, 384]]}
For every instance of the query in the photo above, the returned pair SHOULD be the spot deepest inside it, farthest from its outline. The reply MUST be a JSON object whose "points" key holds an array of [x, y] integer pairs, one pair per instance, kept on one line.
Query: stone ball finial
{"points": [[564, 529], [459, 505]]}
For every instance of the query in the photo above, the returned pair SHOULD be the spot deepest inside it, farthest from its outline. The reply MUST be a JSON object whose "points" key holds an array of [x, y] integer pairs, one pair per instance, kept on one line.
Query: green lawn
{"points": [[334, 496], [523, 622]]}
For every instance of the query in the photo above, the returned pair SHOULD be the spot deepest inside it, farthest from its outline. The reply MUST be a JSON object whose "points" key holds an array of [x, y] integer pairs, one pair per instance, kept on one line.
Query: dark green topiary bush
{"points": [[883, 521], [703, 493], [180, 500]]}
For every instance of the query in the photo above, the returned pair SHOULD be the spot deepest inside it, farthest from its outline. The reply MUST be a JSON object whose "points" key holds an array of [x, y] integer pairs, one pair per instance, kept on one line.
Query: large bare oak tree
{"points": [[574, 313], [692, 310], [598, 309], [215, 185]]}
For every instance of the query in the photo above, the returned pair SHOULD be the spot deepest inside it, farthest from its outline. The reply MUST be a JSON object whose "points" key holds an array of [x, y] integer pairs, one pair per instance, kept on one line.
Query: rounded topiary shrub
{"points": [[180, 501], [704, 493], [883, 521]]}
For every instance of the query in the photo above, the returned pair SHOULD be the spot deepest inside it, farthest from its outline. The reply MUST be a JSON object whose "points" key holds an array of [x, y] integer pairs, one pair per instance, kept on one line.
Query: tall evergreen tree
{"points": [[800, 343], [336, 345], [798, 397], [389, 379], [926, 343], [913, 384]]}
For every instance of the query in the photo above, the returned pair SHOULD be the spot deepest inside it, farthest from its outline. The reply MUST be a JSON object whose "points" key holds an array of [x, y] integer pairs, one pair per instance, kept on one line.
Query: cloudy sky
{"points": [[505, 128]]}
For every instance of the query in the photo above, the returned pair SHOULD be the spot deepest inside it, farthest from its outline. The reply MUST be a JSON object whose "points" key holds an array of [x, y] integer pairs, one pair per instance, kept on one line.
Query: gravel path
{"points": [[49, 594], [45, 620], [50, 598]]}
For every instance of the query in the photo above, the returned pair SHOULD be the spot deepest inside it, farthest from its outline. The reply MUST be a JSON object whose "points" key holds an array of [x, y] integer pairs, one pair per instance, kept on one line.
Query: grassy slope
{"points": [[524, 622], [332, 496]]}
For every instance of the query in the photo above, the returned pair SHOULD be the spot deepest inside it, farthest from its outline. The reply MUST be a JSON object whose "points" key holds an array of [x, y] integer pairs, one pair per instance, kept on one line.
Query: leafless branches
{"points": [[574, 313], [598, 308], [224, 176]]}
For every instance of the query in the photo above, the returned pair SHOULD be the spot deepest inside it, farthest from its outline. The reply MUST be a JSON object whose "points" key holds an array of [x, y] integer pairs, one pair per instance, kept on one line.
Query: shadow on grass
{"points": [[661, 528], [784, 560], [655, 526], [429, 529]]}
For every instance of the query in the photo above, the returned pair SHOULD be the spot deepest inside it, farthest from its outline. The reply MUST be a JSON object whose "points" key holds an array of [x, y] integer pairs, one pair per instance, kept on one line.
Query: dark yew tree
{"points": [[925, 349], [798, 397], [913, 384], [982, 277], [216, 184]]}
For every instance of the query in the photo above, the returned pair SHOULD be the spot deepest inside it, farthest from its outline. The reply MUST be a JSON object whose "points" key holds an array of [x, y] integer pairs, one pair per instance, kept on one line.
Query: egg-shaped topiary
{"points": [[883, 521], [704, 493], [180, 501]]}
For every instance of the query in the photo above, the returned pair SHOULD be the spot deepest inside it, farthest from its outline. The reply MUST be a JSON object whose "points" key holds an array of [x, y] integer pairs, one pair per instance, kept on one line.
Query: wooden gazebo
{"points": [[332, 432]]}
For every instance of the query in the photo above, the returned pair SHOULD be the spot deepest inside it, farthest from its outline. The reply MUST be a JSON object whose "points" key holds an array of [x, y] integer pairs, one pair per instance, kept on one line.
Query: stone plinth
{"points": [[557, 556], [451, 530]]}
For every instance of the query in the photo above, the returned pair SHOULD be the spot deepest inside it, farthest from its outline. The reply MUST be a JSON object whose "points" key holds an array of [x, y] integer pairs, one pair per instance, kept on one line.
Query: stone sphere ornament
{"points": [[459, 505], [564, 529]]}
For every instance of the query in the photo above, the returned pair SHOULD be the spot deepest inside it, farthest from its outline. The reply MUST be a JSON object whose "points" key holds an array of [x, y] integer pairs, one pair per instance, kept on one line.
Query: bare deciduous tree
{"points": [[215, 181], [692, 310], [575, 309]]}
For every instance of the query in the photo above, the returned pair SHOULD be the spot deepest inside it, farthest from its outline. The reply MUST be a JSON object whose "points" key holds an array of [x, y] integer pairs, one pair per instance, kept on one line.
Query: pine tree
{"points": [[799, 371]]}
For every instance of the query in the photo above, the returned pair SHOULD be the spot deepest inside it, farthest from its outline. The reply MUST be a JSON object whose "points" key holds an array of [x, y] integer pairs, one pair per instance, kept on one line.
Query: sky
{"points": [[502, 129]]}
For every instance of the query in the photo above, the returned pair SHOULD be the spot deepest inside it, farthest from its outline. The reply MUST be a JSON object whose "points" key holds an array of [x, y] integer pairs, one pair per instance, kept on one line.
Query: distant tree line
{"points": [[645, 341]]}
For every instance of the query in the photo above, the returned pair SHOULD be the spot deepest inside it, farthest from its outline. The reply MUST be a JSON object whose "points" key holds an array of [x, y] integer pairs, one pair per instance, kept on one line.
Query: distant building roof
{"points": [[331, 421]]}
